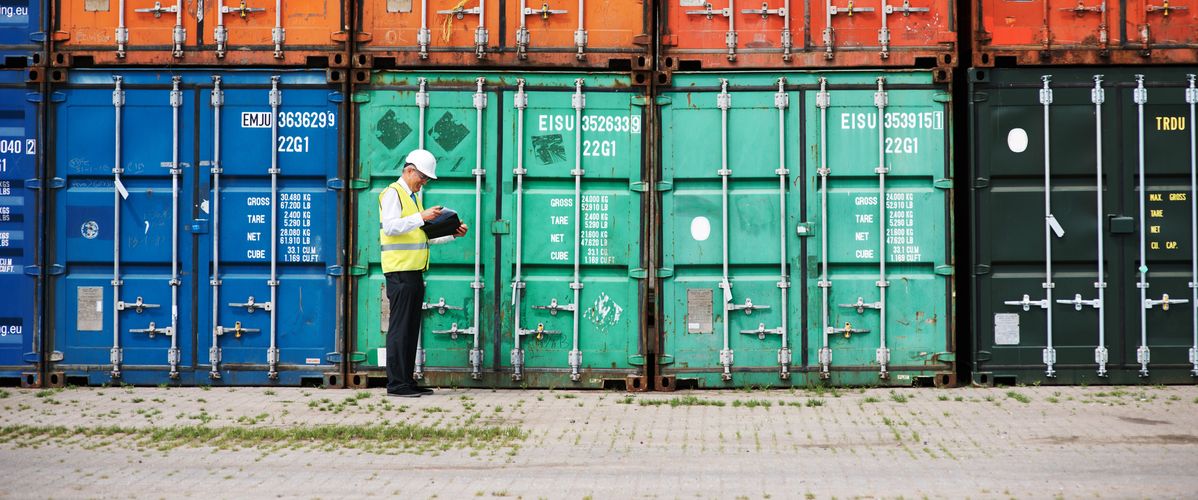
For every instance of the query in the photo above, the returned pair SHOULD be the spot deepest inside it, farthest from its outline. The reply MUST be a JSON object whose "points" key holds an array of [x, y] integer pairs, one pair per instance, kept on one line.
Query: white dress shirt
{"points": [[394, 224]]}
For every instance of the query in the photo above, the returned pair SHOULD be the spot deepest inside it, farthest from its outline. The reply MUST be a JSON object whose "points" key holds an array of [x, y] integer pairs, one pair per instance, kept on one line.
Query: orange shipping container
{"points": [[1085, 32], [609, 34], [707, 34], [198, 32]]}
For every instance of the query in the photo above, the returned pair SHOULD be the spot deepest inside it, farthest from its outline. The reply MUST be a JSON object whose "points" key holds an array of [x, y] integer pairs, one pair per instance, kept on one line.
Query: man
{"points": [[404, 249]]}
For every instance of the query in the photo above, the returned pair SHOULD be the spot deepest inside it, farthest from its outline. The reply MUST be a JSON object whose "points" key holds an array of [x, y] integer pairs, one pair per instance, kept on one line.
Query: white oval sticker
{"points": [[1017, 140], [700, 228]]}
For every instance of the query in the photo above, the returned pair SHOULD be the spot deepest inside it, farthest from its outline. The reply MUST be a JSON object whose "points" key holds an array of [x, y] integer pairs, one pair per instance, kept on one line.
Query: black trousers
{"points": [[405, 293]]}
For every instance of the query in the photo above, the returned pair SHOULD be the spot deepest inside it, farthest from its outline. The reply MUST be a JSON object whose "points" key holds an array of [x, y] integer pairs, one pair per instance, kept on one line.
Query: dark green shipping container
{"points": [[1069, 286]]}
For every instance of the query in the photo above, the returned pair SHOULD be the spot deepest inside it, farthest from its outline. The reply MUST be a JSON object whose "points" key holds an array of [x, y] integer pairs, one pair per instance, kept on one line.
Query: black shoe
{"points": [[424, 391], [404, 393]]}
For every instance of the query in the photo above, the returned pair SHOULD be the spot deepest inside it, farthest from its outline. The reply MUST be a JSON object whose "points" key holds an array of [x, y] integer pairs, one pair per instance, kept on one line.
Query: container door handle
{"points": [[440, 306], [1164, 8], [139, 306], [243, 10]]}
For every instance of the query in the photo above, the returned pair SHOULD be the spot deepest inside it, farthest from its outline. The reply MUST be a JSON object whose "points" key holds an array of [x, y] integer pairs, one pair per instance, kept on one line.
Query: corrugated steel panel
{"points": [[218, 32], [20, 228], [1068, 287], [509, 171], [196, 206], [22, 33], [515, 33], [697, 34], [1084, 32], [774, 214]]}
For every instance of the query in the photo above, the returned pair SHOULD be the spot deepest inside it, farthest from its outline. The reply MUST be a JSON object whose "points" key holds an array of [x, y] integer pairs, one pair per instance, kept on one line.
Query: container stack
{"points": [[22, 88], [1082, 200], [195, 187], [538, 117], [804, 206]]}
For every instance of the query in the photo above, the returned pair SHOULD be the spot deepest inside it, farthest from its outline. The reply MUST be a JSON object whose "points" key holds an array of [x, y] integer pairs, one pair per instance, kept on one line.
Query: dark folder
{"points": [[444, 225]]}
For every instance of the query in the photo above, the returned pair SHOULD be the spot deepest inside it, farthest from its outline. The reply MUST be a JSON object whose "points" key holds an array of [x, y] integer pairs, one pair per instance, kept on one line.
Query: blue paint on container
{"points": [[224, 294], [22, 32], [20, 236]]}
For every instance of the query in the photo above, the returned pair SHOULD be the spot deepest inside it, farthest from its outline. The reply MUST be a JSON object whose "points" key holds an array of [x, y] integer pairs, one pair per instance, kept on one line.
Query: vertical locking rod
{"points": [[521, 103], [1192, 99], [122, 33], [1143, 355], [423, 37], [724, 101], [578, 102], [173, 355], [1101, 355], [1049, 353], [118, 104], [422, 100], [822, 101], [782, 101], [214, 352], [883, 353], [272, 354], [278, 34], [480, 103]]}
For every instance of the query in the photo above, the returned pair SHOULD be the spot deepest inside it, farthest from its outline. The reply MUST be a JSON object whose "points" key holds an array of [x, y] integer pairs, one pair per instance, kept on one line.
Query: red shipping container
{"points": [[1084, 32], [611, 34], [707, 34], [196, 32]]}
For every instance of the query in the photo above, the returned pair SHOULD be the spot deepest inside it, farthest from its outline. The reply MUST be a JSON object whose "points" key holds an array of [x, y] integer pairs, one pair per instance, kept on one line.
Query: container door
{"points": [[1162, 24], [1069, 23], [879, 296], [697, 26], [270, 287], [455, 120], [239, 28], [571, 303], [144, 25], [1159, 300], [464, 29], [540, 25], [846, 25], [731, 222], [20, 221], [123, 305], [21, 32]]}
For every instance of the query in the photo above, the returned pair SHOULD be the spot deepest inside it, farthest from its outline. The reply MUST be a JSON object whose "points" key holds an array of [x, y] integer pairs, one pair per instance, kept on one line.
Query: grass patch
{"points": [[897, 398], [751, 403], [379, 437], [676, 402], [1020, 397], [871, 399]]}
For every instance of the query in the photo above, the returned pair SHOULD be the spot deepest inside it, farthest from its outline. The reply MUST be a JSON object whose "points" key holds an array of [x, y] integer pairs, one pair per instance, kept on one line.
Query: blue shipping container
{"points": [[20, 238], [22, 33], [213, 167]]}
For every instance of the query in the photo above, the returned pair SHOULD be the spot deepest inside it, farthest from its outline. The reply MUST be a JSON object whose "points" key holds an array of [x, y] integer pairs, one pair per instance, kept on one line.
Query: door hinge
{"points": [[944, 270], [639, 187], [942, 183], [335, 184], [664, 272], [34, 97], [334, 270], [360, 97], [357, 270], [665, 359], [805, 229], [501, 226], [359, 183], [636, 359], [942, 97], [198, 226], [981, 269], [333, 357], [981, 183], [639, 273], [980, 97], [357, 357], [37, 36], [665, 186], [336, 97]]}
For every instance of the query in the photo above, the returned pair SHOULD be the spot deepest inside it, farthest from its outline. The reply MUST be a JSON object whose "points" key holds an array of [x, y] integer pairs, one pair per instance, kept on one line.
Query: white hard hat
{"points": [[423, 161]]}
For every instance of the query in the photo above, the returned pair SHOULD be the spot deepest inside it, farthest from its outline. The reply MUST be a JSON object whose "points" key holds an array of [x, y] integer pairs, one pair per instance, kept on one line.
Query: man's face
{"points": [[415, 178]]}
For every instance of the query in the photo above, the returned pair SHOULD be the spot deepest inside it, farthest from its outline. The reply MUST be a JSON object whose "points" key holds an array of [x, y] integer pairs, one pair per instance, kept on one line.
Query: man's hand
{"points": [[431, 213], [461, 231]]}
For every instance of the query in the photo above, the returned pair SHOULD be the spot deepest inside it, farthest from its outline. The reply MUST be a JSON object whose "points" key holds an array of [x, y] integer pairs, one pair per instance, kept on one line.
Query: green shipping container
{"points": [[806, 230], [1071, 287], [546, 169]]}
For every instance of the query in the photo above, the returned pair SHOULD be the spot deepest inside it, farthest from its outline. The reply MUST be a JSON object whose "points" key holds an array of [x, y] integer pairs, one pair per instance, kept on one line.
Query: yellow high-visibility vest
{"points": [[408, 251]]}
